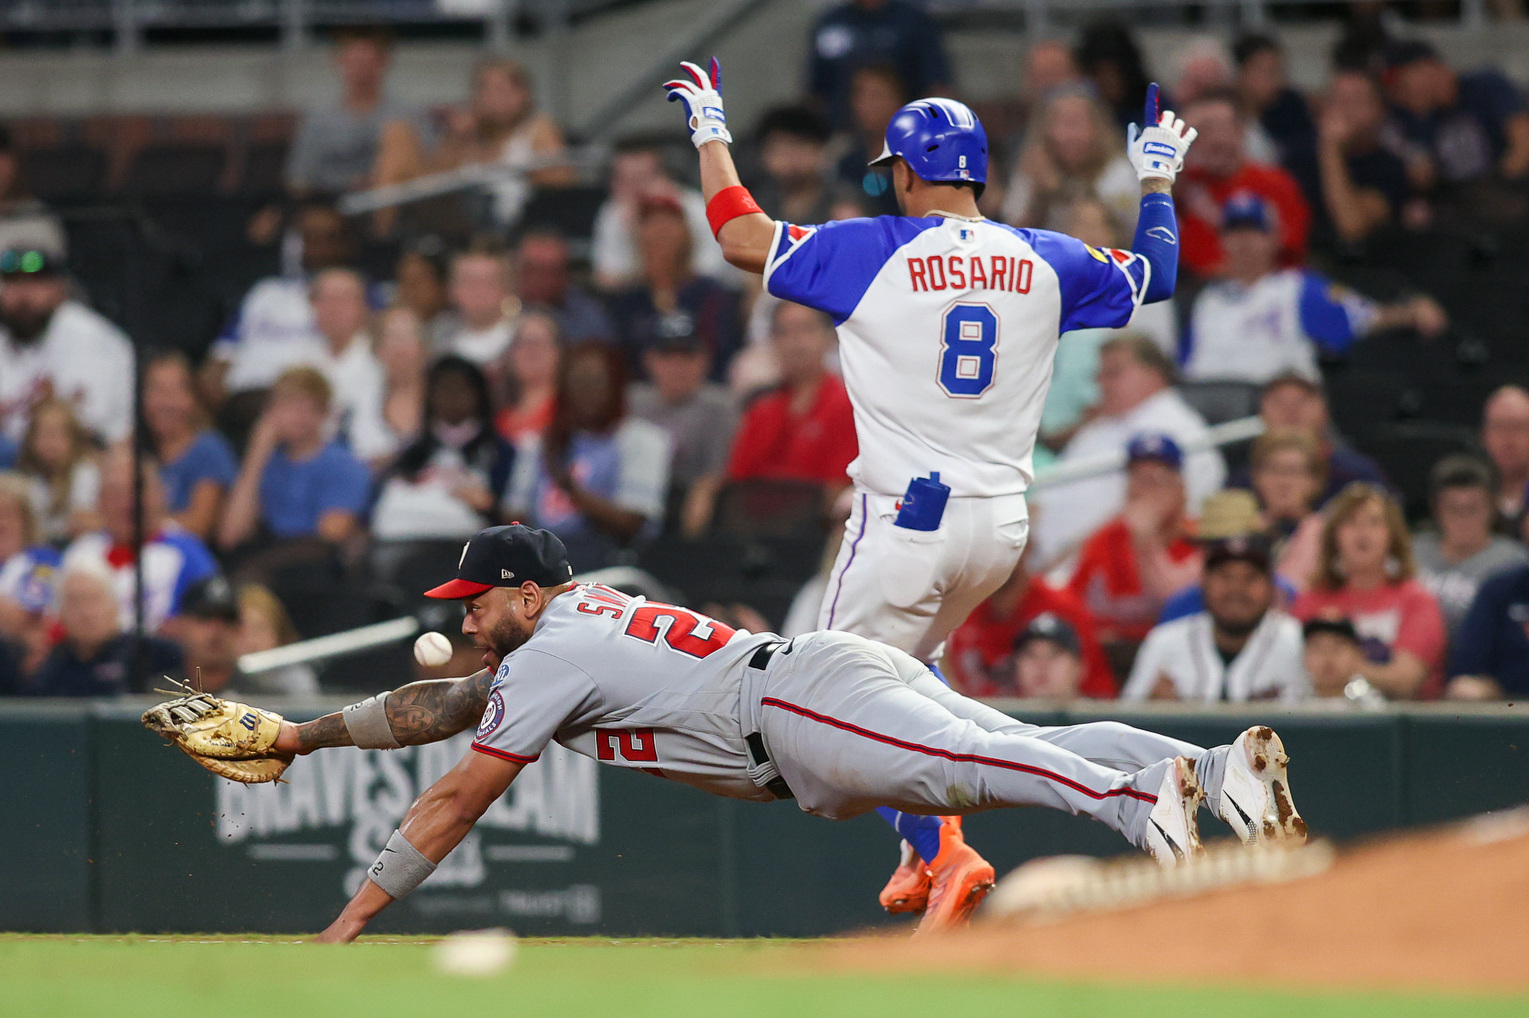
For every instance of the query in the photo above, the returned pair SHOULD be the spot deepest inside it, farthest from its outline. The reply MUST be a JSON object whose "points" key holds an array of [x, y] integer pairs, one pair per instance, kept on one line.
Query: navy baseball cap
{"points": [[1246, 210], [1047, 626], [1156, 446], [1252, 548], [507, 557]]}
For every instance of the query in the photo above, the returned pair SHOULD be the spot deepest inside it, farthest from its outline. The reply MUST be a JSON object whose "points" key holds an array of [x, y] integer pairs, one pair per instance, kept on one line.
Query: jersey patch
{"points": [[493, 715]]}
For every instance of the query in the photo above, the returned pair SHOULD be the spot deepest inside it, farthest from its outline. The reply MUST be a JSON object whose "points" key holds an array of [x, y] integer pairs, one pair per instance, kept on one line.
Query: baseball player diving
{"points": [[838, 722], [948, 325]]}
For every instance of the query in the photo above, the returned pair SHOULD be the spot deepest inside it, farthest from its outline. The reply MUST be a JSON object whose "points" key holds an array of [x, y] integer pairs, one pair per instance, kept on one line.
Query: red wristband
{"points": [[728, 204]]}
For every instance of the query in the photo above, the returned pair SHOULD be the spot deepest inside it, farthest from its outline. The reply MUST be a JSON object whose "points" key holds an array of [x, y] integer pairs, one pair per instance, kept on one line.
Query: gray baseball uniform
{"points": [[847, 723]]}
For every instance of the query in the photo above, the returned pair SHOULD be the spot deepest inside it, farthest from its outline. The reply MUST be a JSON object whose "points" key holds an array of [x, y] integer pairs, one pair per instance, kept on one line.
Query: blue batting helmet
{"points": [[941, 140]]}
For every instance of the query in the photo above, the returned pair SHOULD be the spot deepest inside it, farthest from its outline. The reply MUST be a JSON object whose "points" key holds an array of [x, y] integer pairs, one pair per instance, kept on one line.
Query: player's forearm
{"points": [[1157, 239], [745, 240], [426, 711]]}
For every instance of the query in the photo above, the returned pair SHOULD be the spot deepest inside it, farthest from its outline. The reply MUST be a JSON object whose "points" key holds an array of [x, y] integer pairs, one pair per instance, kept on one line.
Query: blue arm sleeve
{"points": [[1157, 240]]}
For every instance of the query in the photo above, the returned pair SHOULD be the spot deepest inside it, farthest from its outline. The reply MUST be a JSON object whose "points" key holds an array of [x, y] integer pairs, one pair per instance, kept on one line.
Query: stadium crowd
{"points": [[350, 421]]}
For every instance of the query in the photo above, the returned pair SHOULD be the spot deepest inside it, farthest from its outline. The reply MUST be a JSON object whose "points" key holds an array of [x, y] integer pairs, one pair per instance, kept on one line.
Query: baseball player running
{"points": [[838, 722], [948, 325]]}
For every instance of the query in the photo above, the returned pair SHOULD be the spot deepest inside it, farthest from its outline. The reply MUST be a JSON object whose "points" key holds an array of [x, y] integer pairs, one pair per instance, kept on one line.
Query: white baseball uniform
{"points": [[847, 723], [947, 332]]}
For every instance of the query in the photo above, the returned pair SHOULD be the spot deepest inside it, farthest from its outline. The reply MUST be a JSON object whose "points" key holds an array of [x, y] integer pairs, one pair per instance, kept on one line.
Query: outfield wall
{"points": [[110, 830]]}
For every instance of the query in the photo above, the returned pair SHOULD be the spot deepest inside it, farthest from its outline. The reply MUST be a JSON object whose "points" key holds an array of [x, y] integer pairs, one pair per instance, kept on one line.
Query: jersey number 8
{"points": [[968, 350]]}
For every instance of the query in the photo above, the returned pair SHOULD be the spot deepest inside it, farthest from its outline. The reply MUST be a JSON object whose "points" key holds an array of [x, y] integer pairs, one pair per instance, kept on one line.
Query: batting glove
{"points": [[1159, 150], [702, 95]]}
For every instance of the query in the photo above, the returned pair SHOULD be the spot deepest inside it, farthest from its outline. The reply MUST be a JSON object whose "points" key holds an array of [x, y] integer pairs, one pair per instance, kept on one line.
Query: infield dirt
{"points": [[1447, 910]]}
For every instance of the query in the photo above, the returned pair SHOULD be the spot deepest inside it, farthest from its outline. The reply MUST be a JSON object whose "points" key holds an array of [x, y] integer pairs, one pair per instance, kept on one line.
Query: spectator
{"points": [[1228, 515], [402, 351], [1130, 566], [273, 329], [1459, 127], [597, 477], [1202, 64], [1048, 660], [25, 222], [295, 484], [1217, 168], [698, 416], [195, 462], [1074, 388], [265, 625], [1135, 395], [53, 345], [531, 377], [95, 656], [341, 317], [211, 637], [805, 429], [27, 565], [978, 651], [1332, 655], [670, 296], [1280, 115], [1366, 573], [1461, 551], [796, 185], [337, 143], [1109, 57], [1288, 473], [637, 171], [1505, 437], [1490, 659], [543, 279], [1072, 152], [419, 284], [1361, 184], [876, 94], [1258, 320], [501, 127], [173, 559], [892, 32], [485, 308], [448, 483], [59, 459], [1241, 647], [1292, 401]]}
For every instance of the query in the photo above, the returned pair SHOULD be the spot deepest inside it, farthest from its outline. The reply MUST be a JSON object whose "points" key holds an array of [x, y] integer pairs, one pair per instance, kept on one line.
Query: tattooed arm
{"points": [[420, 712]]}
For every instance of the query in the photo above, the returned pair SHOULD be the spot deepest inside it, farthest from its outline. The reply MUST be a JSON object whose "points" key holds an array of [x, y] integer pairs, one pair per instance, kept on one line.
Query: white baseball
{"points": [[475, 952], [432, 649]]}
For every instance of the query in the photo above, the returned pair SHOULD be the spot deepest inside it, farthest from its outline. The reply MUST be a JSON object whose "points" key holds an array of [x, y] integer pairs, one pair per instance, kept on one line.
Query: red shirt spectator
{"points": [[805, 430], [976, 651], [1388, 618], [777, 442], [1108, 581], [1217, 169]]}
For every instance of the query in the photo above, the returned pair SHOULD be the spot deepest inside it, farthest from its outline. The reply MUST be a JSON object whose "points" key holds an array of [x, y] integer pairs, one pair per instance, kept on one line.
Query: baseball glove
{"points": [[233, 740]]}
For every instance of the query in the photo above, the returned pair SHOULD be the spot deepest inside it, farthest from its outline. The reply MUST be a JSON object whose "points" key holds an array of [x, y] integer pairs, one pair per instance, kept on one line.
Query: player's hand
{"points": [[701, 92], [1157, 152]]}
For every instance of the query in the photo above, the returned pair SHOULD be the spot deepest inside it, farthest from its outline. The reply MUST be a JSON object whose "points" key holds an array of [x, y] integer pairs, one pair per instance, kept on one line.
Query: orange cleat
{"points": [[959, 879], [908, 890]]}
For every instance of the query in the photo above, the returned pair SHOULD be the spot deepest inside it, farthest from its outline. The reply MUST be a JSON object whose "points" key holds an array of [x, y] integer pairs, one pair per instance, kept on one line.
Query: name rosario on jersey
{"points": [[970, 272]]}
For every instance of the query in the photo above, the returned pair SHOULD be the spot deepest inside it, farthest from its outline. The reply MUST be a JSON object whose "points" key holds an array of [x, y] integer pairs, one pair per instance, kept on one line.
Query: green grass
{"points": [[273, 977]]}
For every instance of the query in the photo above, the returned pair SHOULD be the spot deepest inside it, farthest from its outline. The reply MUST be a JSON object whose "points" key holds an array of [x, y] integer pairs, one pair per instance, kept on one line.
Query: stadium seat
{"points": [[65, 173], [569, 210], [761, 507], [765, 574], [1407, 451], [176, 169], [1221, 400]]}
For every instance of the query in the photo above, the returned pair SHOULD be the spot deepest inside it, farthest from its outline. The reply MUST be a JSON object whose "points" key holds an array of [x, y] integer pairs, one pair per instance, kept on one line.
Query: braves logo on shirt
{"points": [[493, 714]]}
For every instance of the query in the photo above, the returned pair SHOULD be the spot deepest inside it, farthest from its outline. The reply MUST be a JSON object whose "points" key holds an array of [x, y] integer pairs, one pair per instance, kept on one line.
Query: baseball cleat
{"points": [[1255, 790], [959, 879], [908, 890], [1173, 836]]}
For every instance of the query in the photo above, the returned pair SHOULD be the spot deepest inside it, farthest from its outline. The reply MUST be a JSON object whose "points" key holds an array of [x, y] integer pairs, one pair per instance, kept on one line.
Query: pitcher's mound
{"points": [[1448, 909]]}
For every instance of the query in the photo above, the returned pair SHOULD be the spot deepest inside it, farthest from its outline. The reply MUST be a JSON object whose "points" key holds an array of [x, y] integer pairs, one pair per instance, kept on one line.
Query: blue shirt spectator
{"points": [[295, 494], [890, 32], [1491, 647], [1461, 127], [208, 458]]}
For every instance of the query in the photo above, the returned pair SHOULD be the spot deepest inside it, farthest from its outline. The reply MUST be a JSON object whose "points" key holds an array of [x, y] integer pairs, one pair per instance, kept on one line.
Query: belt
{"points": [[776, 786]]}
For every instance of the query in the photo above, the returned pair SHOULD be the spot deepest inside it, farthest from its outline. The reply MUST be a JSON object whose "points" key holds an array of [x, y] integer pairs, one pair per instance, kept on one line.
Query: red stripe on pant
{"points": [[988, 761]]}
